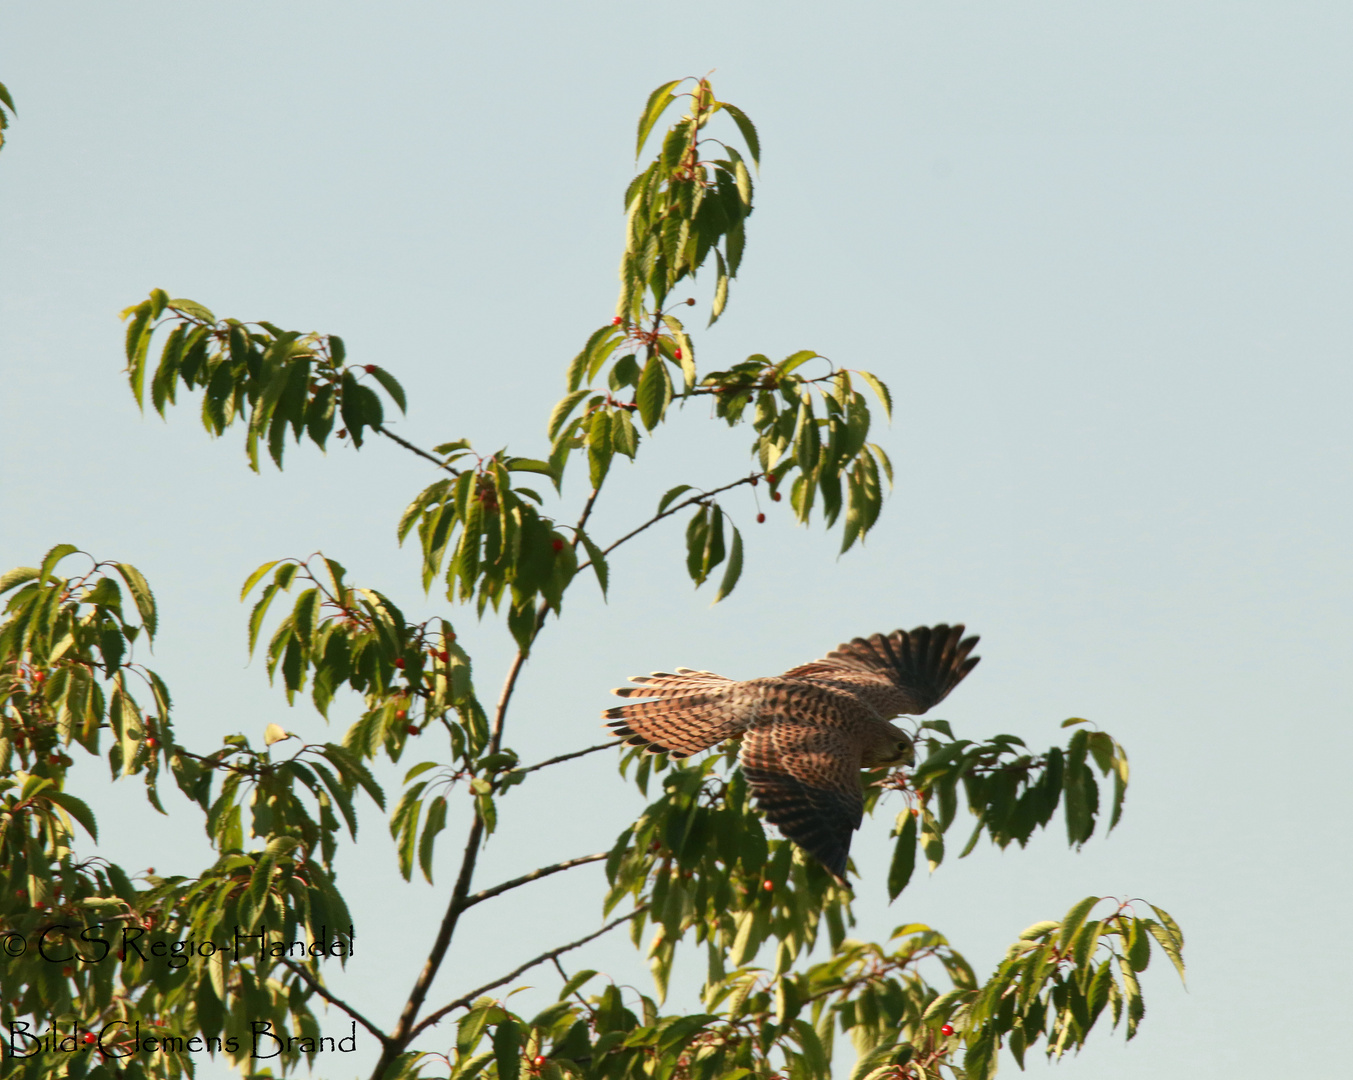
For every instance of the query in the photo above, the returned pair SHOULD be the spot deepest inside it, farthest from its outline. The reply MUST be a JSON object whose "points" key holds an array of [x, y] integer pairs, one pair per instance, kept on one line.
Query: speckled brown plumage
{"points": [[805, 734]]}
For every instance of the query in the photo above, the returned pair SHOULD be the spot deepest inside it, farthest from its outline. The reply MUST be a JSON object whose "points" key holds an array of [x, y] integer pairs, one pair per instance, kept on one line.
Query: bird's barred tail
{"points": [[692, 711]]}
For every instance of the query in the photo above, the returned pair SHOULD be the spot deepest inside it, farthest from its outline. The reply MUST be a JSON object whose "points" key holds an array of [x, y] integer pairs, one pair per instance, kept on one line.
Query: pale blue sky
{"points": [[1100, 252]]}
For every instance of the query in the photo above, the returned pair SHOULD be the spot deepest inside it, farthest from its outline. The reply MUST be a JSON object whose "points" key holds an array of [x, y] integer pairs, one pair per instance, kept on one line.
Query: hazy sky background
{"points": [[1100, 252]]}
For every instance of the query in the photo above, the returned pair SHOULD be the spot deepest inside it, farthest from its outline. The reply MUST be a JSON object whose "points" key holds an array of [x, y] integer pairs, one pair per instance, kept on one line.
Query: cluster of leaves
{"points": [[682, 207], [1009, 791], [78, 933], [1056, 980], [270, 378]]}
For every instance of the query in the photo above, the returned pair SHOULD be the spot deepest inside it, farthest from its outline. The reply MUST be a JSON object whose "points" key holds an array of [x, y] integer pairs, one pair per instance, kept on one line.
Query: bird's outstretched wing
{"points": [[691, 711], [805, 777], [902, 673]]}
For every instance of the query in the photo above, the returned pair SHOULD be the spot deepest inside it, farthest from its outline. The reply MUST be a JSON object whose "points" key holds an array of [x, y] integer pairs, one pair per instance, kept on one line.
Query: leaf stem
{"points": [[417, 450]]}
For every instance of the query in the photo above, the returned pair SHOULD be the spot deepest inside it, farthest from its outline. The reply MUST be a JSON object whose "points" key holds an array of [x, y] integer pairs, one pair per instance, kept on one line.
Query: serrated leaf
{"points": [[391, 385], [733, 570], [657, 104], [598, 560], [748, 130], [672, 495], [880, 391], [904, 857]]}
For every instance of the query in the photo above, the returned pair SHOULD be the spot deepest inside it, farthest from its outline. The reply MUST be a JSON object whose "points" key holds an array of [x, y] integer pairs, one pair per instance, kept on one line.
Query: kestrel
{"points": [[805, 734]]}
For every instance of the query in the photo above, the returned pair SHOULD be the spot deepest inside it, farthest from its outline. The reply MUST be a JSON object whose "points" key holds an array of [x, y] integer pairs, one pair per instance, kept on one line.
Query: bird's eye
{"points": [[904, 746]]}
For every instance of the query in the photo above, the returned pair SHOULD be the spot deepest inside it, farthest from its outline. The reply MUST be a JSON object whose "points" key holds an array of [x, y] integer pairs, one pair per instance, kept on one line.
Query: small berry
{"points": [[769, 886], [915, 812], [443, 656], [400, 714], [399, 662], [370, 369], [54, 759], [557, 544], [538, 1061], [948, 1029], [760, 519], [617, 321], [152, 742], [690, 301], [414, 729], [89, 1038], [677, 354], [775, 496]]}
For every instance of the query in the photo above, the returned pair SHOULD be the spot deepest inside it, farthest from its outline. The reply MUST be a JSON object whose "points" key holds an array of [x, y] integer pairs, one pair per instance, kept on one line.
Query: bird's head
{"points": [[893, 747]]}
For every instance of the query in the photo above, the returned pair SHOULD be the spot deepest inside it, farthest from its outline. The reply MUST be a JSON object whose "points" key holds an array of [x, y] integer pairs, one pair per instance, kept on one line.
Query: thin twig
{"points": [[334, 1000], [569, 757], [753, 478], [417, 450], [534, 875], [462, 1002]]}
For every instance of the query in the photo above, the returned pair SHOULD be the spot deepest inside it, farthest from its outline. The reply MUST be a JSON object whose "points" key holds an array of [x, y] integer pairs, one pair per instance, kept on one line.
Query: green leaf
{"points": [[654, 392], [748, 130], [77, 809], [672, 495], [880, 391], [9, 101], [564, 410], [17, 576], [141, 595], [256, 577], [507, 1049], [655, 107], [598, 560], [53, 557], [1073, 920], [733, 570], [391, 385], [433, 824], [904, 856]]}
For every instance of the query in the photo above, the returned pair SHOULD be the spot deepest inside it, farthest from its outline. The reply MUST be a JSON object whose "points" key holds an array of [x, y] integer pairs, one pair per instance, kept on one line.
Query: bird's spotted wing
{"points": [[805, 776], [905, 672], [691, 711]]}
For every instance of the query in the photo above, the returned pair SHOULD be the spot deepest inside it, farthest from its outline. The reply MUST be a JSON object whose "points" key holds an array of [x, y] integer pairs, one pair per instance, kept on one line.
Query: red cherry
{"points": [[370, 369], [400, 714], [690, 301], [54, 759], [769, 886], [760, 519], [89, 1038], [399, 662], [915, 812], [948, 1029], [443, 656], [557, 544], [677, 354], [617, 321], [152, 742], [414, 729], [538, 1061], [774, 496]]}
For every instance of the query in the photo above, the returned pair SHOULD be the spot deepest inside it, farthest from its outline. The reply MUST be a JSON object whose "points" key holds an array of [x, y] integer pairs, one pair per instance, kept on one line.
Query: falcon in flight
{"points": [[805, 734]]}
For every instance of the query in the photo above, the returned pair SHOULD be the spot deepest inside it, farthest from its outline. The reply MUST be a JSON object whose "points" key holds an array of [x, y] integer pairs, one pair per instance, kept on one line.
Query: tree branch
{"points": [[569, 757], [318, 988], [405, 1030], [544, 871], [462, 1002], [753, 478], [417, 450]]}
